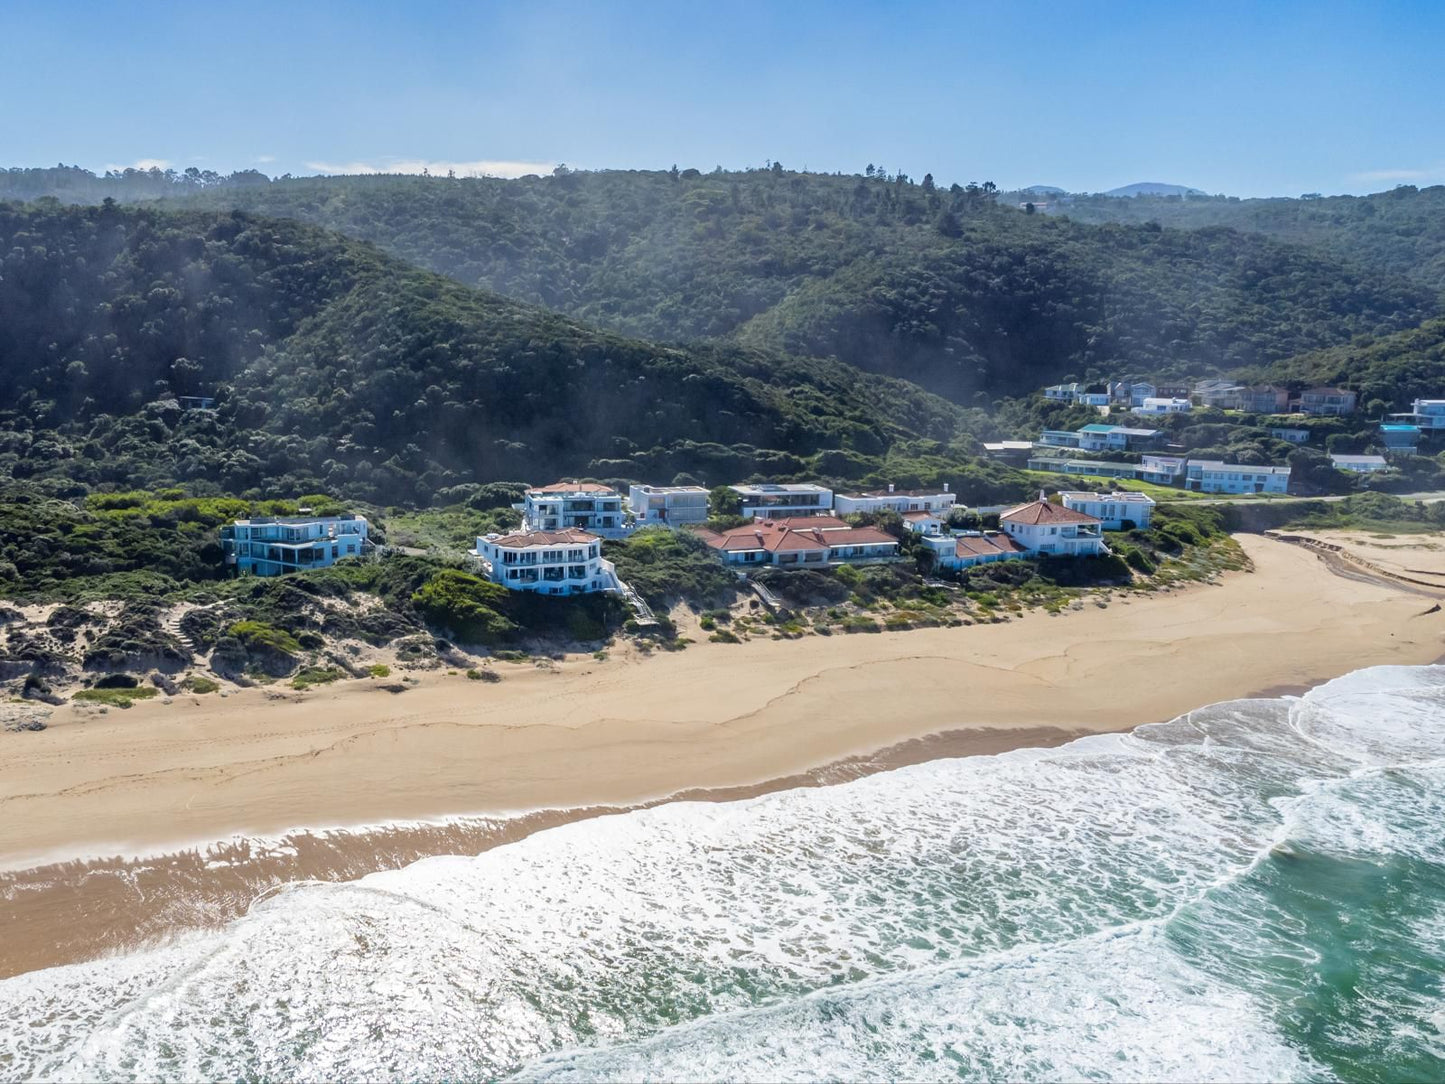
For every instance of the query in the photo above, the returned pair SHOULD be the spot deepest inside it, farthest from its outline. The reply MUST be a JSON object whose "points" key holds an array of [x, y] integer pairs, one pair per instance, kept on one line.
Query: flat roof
{"points": [[770, 488], [1116, 495], [669, 489], [1215, 464], [293, 521]]}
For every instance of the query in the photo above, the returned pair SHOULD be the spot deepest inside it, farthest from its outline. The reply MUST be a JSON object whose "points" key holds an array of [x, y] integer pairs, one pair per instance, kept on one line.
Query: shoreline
{"points": [[451, 768]]}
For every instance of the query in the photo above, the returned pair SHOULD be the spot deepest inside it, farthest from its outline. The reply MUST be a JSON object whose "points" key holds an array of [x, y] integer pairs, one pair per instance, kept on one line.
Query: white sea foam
{"points": [[1040, 913]]}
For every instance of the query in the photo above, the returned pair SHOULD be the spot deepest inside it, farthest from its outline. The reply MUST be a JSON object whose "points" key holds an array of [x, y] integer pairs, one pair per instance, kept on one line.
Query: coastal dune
{"points": [[586, 734]]}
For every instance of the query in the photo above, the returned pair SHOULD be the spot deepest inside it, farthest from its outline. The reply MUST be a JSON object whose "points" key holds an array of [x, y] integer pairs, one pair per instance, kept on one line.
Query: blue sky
{"points": [[1251, 99]]}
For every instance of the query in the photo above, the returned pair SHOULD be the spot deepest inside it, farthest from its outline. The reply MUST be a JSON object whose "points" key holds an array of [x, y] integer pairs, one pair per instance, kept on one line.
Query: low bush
{"points": [[115, 698], [315, 675]]}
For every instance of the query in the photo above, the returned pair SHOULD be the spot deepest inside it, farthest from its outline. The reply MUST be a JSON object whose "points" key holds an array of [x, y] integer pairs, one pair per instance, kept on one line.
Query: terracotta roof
{"points": [[1037, 512], [774, 536], [919, 515], [987, 545], [523, 539], [859, 536], [573, 487], [808, 523]]}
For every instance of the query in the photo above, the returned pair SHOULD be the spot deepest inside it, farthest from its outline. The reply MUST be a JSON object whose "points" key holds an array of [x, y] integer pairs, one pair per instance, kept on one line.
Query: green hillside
{"points": [[339, 369], [1392, 370], [1400, 232], [965, 296]]}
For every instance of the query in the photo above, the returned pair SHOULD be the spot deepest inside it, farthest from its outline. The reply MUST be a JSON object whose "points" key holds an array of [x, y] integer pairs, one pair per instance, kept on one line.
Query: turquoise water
{"points": [[1253, 891]]}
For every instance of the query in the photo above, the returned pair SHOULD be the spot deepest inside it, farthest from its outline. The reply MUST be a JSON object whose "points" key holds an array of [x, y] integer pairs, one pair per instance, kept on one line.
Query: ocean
{"points": [[1255, 890]]}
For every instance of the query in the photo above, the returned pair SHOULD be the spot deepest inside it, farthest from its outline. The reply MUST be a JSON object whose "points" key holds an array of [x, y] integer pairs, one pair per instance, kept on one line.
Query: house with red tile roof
{"points": [[970, 548], [802, 542], [1043, 527]]}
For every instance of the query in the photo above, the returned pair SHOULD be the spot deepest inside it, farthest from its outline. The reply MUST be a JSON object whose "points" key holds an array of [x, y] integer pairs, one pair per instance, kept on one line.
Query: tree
{"points": [[928, 182]]}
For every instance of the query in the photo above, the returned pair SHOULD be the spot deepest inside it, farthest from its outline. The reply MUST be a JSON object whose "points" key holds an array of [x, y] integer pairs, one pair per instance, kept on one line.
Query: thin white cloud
{"points": [[1394, 174], [143, 163], [264, 158], [482, 168]]}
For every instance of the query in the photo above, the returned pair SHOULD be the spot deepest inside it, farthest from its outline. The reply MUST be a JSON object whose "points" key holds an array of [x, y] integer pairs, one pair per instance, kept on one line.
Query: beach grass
{"points": [[315, 675], [115, 698]]}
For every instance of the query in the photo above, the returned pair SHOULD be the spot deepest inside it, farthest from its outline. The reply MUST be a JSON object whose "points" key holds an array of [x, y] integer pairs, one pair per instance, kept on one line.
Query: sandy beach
{"points": [[167, 780]]}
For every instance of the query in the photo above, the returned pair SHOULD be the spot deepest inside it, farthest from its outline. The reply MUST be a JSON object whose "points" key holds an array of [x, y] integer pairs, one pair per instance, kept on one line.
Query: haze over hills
{"points": [[946, 288], [1400, 232], [1153, 188], [338, 368]]}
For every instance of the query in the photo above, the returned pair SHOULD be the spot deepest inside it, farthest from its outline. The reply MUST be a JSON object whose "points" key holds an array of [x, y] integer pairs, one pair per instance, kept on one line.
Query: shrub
{"points": [[379, 670], [466, 604], [257, 635], [202, 685], [115, 698], [315, 675]]}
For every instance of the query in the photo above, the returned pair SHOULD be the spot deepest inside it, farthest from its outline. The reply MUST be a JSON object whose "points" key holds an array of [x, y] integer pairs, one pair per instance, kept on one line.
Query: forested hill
{"points": [[945, 287], [1400, 232], [1391, 371], [338, 368]]}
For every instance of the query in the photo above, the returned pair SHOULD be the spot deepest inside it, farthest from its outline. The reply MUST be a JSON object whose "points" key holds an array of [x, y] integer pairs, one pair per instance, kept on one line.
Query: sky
{"points": [[1269, 98]]}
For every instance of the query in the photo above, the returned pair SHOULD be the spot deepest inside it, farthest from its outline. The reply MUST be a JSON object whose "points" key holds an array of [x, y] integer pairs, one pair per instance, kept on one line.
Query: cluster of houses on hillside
{"points": [[1056, 450]]}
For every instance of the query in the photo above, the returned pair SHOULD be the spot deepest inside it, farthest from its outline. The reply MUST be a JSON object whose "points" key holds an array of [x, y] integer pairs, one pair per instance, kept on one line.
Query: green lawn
{"points": [[1153, 489]]}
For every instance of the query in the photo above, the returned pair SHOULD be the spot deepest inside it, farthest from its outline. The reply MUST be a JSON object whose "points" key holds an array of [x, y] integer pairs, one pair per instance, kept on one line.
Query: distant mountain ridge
{"points": [[1154, 188]]}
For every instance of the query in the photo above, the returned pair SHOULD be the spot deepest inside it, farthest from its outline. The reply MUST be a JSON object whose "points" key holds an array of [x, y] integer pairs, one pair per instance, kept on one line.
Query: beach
{"points": [[183, 790]]}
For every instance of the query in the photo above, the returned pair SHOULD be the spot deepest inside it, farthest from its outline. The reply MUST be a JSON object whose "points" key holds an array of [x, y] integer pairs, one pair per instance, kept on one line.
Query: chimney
{"points": [[890, 487], [945, 487]]}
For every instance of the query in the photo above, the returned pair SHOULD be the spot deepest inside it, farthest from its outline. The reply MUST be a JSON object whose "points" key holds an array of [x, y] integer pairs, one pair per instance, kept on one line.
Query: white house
{"points": [[1212, 476], [1359, 464], [1428, 415], [668, 505], [924, 523], [585, 506], [769, 500], [564, 562], [1099, 437], [1141, 391], [1157, 405], [802, 541], [1041, 527], [968, 548], [895, 500], [1294, 436], [1113, 510], [269, 546], [1166, 470]]}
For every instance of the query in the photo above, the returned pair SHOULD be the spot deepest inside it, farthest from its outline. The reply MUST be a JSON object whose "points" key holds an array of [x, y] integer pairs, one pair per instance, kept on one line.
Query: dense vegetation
{"points": [[1400, 232], [946, 288], [336, 368], [1387, 372]]}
